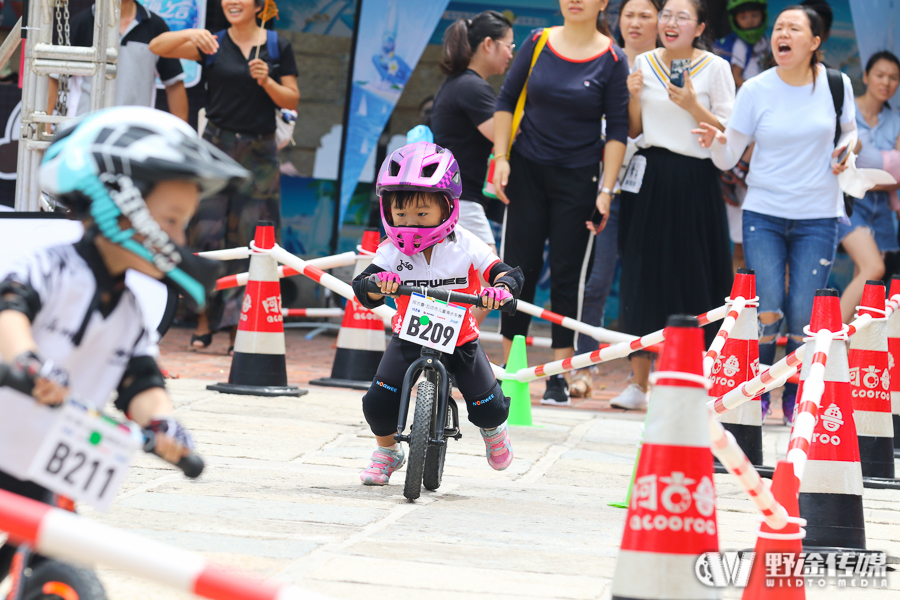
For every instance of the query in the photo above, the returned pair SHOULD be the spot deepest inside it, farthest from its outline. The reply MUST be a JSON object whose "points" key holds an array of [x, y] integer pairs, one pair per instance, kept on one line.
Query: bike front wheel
{"points": [[418, 439], [435, 455], [55, 580]]}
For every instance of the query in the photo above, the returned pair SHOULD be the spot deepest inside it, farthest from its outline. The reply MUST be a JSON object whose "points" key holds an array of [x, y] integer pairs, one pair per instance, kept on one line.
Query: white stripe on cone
{"points": [[832, 477], [672, 425], [259, 342], [652, 575], [746, 328]]}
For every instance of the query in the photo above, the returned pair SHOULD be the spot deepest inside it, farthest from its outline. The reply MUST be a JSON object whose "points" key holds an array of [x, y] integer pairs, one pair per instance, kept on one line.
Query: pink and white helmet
{"points": [[419, 167]]}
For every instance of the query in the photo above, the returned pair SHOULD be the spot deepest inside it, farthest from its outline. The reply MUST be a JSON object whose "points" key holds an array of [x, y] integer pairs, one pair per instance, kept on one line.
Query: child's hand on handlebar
{"points": [[388, 282], [49, 382], [495, 297], [173, 441]]}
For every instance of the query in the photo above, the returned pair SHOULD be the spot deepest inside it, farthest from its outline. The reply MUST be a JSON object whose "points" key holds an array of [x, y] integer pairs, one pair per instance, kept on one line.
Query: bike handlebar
{"points": [[372, 287], [191, 465]]}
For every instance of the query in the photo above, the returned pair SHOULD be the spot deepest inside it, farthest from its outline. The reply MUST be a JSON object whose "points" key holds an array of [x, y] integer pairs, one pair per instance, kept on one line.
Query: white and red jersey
{"points": [[455, 265]]}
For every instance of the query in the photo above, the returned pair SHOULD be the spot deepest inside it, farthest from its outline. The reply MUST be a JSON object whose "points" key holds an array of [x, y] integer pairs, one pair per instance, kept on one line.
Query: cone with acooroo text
{"points": [[258, 365], [360, 342], [672, 512]]}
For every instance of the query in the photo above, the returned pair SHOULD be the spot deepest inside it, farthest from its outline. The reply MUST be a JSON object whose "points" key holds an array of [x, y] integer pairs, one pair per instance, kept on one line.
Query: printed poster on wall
{"points": [[178, 15], [392, 36]]}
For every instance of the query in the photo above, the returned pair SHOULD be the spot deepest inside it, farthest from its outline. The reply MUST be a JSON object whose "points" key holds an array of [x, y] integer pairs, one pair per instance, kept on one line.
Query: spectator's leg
{"points": [[766, 251], [524, 232], [868, 265], [812, 246]]}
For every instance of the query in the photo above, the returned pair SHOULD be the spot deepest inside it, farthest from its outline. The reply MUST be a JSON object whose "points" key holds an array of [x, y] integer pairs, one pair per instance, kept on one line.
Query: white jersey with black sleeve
{"points": [[79, 329]]}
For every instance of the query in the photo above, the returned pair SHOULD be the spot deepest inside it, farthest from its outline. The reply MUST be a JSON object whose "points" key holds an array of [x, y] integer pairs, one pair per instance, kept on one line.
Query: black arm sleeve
{"points": [[141, 374], [359, 290], [15, 295], [513, 278]]}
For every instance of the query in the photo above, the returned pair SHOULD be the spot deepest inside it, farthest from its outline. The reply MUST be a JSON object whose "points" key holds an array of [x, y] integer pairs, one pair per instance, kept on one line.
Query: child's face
{"points": [[172, 204], [421, 212], [749, 19]]}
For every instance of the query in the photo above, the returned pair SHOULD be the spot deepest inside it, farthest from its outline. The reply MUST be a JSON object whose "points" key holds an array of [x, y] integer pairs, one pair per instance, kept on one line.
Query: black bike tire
{"points": [[418, 439], [83, 581], [435, 456]]}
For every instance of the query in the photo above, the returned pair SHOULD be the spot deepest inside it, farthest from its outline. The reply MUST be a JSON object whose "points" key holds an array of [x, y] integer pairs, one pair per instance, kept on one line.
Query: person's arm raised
{"points": [[187, 44]]}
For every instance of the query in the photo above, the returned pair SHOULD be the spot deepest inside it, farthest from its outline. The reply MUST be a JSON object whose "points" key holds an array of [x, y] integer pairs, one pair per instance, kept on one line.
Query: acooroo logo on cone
{"points": [[672, 509], [265, 314]]}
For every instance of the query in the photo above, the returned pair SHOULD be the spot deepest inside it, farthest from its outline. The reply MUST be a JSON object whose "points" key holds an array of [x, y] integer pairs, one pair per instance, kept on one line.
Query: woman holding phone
{"points": [[789, 112], [553, 169], [673, 234]]}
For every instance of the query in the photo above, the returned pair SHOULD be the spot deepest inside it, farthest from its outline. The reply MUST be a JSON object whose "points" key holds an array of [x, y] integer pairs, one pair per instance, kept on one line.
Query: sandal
{"points": [[581, 385], [205, 340]]}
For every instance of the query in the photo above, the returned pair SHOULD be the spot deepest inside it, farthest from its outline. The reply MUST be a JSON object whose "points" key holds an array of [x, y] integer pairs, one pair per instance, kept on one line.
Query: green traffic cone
{"points": [[518, 392]]}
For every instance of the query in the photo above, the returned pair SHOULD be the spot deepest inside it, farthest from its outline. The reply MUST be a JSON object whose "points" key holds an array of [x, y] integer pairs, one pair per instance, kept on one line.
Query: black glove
{"points": [[170, 427]]}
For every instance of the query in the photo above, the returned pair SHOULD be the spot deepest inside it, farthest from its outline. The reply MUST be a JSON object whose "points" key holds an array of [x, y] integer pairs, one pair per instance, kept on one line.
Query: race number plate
{"points": [[84, 457], [432, 323], [634, 176]]}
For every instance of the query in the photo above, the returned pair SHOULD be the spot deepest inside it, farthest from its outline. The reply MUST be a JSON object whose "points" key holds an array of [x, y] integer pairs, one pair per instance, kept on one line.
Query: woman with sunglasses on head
{"points": [[673, 234]]}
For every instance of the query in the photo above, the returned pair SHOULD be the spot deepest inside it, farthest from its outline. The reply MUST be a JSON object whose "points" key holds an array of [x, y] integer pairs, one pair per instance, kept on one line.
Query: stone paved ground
{"points": [[281, 496]]}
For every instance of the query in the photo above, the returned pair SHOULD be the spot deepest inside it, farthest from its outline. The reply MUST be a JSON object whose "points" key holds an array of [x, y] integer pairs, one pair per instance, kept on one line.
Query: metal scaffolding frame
{"points": [[43, 58]]}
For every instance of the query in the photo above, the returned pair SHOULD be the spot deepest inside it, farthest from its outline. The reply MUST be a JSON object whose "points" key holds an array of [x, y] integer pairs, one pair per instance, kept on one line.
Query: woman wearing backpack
{"points": [[793, 197], [250, 74]]}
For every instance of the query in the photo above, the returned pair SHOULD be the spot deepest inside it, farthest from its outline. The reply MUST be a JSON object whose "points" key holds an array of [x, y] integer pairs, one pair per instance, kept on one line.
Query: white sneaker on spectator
{"points": [[632, 398]]}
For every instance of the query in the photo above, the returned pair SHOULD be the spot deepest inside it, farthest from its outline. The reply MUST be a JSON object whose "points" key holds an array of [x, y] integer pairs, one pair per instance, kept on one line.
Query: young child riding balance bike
{"points": [[418, 188]]}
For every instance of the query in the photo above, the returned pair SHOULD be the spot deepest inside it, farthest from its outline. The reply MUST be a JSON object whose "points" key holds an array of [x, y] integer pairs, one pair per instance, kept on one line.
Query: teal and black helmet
{"points": [[104, 164]]}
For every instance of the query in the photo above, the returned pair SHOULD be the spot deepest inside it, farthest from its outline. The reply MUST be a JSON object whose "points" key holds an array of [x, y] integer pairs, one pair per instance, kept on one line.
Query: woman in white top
{"points": [[673, 234], [793, 198]]}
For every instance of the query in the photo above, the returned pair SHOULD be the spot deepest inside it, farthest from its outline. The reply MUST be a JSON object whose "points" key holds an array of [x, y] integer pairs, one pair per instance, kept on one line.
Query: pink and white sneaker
{"points": [[384, 462], [497, 446]]}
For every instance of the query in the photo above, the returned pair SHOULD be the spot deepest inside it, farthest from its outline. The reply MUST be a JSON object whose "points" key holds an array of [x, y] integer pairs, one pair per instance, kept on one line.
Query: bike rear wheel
{"points": [[55, 580], [435, 455], [418, 439]]}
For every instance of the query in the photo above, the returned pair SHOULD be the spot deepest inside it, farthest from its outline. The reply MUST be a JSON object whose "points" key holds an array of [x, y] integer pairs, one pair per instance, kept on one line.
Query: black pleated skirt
{"points": [[673, 239]]}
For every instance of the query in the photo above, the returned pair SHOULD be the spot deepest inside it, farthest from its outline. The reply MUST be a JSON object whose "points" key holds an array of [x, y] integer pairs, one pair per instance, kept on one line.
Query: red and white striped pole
{"points": [[598, 333], [619, 350], [324, 263], [66, 536], [712, 355]]}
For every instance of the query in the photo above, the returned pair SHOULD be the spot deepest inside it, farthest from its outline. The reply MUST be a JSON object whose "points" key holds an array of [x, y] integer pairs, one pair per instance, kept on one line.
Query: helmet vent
{"points": [[394, 168], [428, 170], [132, 135]]}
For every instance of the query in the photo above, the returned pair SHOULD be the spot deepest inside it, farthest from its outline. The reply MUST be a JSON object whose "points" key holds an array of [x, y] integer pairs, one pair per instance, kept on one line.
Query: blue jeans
{"points": [[806, 247], [598, 285]]}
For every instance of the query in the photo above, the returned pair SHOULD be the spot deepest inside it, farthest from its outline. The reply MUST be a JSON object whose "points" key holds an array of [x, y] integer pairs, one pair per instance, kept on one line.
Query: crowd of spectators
{"points": [[678, 157]]}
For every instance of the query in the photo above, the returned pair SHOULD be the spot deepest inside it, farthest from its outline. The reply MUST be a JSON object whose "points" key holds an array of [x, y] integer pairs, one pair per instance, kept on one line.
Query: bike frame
{"points": [[430, 364]]}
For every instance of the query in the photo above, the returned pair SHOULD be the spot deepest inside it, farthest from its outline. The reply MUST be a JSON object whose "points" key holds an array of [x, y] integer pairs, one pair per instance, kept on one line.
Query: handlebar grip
{"points": [[191, 465], [14, 380]]}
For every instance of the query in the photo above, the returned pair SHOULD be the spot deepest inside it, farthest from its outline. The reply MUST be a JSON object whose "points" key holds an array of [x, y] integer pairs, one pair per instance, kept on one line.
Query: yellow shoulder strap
{"points": [[520, 105]]}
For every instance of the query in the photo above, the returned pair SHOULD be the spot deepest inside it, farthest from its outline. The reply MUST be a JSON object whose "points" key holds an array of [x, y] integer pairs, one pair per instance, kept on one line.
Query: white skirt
{"points": [[473, 219]]}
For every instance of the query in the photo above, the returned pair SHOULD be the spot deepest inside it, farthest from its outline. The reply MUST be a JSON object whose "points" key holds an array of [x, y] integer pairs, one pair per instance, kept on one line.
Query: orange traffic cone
{"points": [[870, 387], [893, 335], [258, 366], [739, 362], [360, 342], [831, 491], [779, 581], [672, 514]]}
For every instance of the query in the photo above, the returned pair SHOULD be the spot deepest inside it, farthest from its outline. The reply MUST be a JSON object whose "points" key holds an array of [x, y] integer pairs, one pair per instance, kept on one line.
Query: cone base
{"points": [[876, 456], [878, 483], [257, 390], [258, 370], [823, 512], [355, 365], [896, 419], [764, 471], [353, 384]]}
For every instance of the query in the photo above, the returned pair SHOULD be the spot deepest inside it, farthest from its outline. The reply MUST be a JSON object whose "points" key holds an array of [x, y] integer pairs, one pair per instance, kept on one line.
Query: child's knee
{"points": [[381, 406], [490, 409]]}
